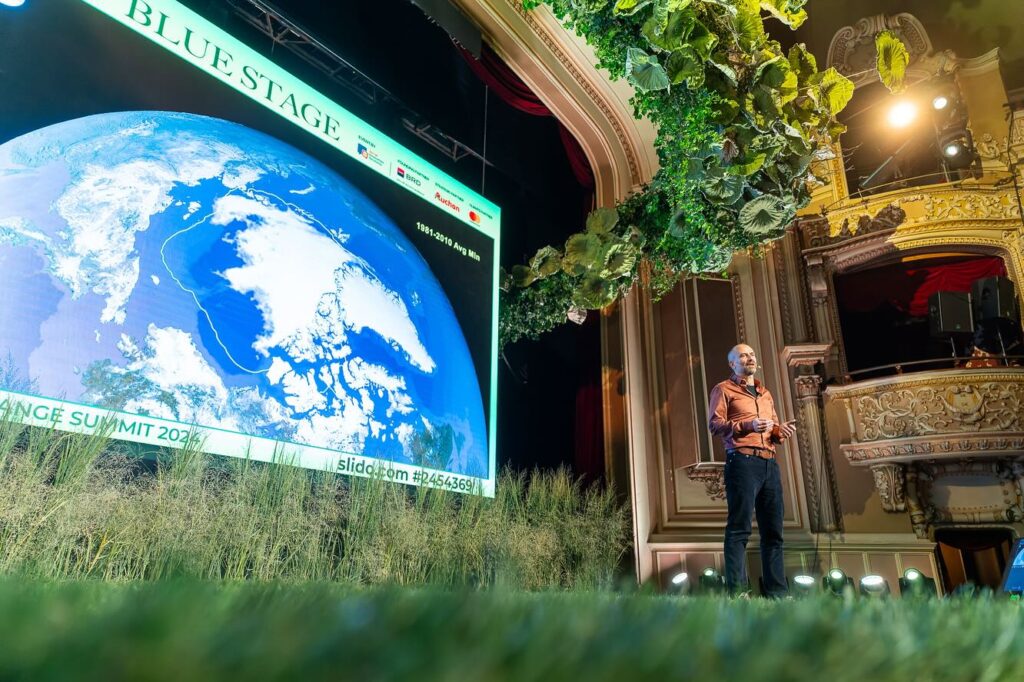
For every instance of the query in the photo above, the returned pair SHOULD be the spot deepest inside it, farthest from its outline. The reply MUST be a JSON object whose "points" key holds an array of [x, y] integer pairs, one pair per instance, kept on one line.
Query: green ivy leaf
{"points": [[523, 276], [802, 62], [644, 72], [748, 25], [765, 102], [602, 220], [702, 40], [725, 6], [546, 262], [715, 259], [789, 12], [892, 59], [674, 34], [834, 90], [765, 214], [629, 7], [582, 253], [747, 165], [677, 226], [685, 65], [776, 74], [726, 71]]}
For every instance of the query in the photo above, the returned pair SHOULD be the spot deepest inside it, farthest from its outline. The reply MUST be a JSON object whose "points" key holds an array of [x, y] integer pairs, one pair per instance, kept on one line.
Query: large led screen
{"points": [[198, 247]]}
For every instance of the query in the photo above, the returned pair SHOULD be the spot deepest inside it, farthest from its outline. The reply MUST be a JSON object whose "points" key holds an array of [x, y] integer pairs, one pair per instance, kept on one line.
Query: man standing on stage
{"points": [[742, 414]]}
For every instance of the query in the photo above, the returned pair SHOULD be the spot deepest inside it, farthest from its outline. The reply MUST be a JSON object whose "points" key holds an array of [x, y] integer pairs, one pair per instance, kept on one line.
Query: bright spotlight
{"points": [[12, 3], [902, 114], [940, 103], [952, 149], [874, 586], [711, 581], [679, 584], [914, 583], [837, 582], [804, 585]]}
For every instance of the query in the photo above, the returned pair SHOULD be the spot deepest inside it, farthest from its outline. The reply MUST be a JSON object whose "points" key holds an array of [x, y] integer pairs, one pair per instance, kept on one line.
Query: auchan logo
{"points": [[445, 201]]}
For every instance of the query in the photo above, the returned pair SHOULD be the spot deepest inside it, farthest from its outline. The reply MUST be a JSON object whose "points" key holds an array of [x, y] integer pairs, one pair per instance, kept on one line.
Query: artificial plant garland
{"points": [[739, 123]]}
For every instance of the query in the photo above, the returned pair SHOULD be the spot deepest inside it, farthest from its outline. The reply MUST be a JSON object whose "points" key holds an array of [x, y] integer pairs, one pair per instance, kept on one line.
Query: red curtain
{"points": [[907, 287], [515, 93]]}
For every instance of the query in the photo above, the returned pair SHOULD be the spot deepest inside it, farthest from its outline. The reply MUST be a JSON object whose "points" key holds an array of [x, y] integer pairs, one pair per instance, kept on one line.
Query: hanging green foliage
{"points": [[739, 122], [892, 59]]}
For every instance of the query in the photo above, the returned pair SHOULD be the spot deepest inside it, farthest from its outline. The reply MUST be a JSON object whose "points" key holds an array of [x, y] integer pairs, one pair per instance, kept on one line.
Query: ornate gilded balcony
{"points": [[945, 445], [935, 415]]}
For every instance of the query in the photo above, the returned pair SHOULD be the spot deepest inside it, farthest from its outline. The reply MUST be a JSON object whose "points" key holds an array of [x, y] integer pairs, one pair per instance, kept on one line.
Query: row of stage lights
{"points": [[949, 118], [835, 582]]}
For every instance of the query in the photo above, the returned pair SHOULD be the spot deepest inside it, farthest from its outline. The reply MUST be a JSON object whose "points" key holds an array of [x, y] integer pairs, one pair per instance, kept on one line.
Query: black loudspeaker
{"points": [[949, 312], [994, 297]]}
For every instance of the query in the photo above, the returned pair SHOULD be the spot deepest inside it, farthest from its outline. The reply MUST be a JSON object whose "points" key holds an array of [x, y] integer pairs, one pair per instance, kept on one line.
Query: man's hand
{"points": [[761, 425], [787, 429]]}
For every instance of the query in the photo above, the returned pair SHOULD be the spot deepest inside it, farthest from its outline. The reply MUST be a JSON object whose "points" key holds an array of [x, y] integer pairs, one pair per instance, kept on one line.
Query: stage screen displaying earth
{"points": [[188, 255]]}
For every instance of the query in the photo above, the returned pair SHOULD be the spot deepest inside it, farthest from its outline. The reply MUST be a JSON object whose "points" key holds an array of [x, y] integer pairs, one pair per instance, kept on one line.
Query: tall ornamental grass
{"points": [[74, 507]]}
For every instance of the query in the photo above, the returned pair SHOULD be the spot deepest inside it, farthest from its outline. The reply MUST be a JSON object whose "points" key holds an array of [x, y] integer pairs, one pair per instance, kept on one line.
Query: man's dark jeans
{"points": [[753, 486]]}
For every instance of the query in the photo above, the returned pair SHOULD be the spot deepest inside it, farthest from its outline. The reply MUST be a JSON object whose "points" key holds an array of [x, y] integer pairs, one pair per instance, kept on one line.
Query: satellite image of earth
{"points": [[192, 269]]}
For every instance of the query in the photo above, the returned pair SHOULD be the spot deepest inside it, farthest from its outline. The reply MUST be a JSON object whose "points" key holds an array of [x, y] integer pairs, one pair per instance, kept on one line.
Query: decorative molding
{"points": [[737, 303], [935, 415], [817, 278], [805, 354], [891, 486], [989, 204], [1006, 149], [785, 306], [561, 69], [711, 475], [847, 227], [807, 385], [938, 401], [959, 406], [935, 449], [920, 516], [852, 51], [570, 65], [1001, 502]]}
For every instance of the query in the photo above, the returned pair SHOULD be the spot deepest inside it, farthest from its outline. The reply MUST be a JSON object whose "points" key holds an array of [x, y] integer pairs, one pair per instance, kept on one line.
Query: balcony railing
{"points": [[933, 415]]}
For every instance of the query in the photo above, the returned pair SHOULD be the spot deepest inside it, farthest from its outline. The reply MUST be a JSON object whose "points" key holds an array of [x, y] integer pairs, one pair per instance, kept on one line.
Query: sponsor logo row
{"points": [[418, 182]]}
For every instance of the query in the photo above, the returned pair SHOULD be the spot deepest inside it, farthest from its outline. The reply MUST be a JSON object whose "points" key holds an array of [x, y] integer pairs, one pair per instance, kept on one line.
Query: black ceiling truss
{"points": [[272, 23]]}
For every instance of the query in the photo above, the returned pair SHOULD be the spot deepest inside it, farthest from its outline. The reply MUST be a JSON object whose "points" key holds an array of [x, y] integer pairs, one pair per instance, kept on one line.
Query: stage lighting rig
{"points": [[836, 582], [957, 149], [915, 584], [804, 585], [679, 584], [874, 586], [902, 113], [711, 581], [949, 116]]}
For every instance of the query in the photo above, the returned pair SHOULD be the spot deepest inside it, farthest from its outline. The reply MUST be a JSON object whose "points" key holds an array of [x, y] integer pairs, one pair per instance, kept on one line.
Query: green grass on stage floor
{"points": [[201, 631]]}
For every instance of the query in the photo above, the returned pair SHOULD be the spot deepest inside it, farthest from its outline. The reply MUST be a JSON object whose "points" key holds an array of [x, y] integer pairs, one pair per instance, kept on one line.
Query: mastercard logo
{"points": [[474, 216]]}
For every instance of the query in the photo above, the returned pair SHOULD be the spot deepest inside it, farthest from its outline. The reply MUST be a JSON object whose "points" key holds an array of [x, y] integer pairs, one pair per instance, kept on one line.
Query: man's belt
{"points": [[753, 452]]}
